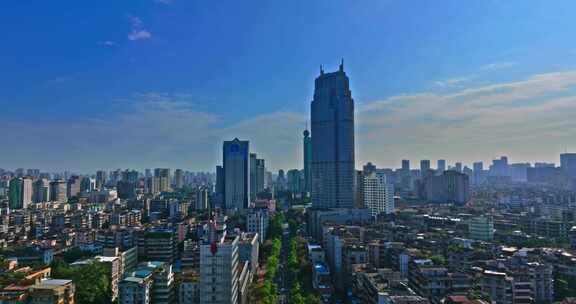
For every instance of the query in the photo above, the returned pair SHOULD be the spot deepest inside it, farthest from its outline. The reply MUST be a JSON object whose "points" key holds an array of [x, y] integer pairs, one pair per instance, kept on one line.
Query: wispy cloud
{"points": [[497, 66], [137, 29], [164, 1], [473, 123], [529, 119], [456, 81], [107, 43]]}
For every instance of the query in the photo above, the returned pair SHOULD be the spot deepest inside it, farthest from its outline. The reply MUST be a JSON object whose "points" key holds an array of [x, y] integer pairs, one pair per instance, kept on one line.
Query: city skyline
{"points": [[415, 99]]}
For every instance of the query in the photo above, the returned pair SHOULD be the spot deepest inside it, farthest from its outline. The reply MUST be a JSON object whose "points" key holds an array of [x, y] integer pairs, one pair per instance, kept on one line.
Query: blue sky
{"points": [[150, 83]]}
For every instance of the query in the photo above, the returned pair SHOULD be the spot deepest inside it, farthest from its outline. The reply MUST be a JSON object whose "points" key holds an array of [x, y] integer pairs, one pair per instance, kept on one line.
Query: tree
{"points": [[296, 296], [92, 281], [313, 299]]}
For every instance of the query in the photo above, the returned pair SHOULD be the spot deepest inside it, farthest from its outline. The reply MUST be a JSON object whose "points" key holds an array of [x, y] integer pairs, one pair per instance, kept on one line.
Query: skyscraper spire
{"points": [[342, 65], [321, 70]]}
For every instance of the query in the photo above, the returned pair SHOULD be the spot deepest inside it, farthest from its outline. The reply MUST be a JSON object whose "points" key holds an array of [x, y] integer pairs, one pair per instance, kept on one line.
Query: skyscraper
{"points": [[406, 165], [41, 191], [236, 159], [101, 177], [178, 179], [253, 177], [424, 166], [58, 191], [568, 164], [333, 172], [260, 172], [307, 161], [441, 166], [15, 193]]}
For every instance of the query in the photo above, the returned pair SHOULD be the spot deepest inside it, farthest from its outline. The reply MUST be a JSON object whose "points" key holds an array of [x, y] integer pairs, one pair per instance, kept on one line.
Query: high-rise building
{"points": [[101, 177], [257, 222], [441, 165], [307, 161], [378, 194], [281, 183], [568, 164], [202, 199], [27, 191], [58, 191], [451, 186], [253, 190], [41, 191], [219, 273], [406, 165], [481, 228], [15, 193], [260, 173], [178, 179], [73, 187], [219, 188], [293, 181], [500, 167], [236, 158], [333, 172], [458, 167], [424, 166], [20, 192], [164, 179]]}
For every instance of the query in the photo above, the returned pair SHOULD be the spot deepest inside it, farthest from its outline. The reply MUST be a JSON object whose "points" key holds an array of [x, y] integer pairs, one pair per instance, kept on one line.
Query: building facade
{"points": [[333, 172], [236, 161]]}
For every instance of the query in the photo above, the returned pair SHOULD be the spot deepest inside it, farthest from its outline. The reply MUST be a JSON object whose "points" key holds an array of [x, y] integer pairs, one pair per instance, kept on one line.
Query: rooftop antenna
{"points": [[342, 65], [321, 70]]}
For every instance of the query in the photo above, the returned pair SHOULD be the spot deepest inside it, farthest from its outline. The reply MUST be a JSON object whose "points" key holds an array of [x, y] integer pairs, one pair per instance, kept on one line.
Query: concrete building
{"points": [[53, 292], [333, 172], [249, 250], [101, 178], [73, 186], [151, 283], [178, 179], [424, 167], [202, 202], [481, 228], [257, 222], [136, 288], [20, 192], [189, 289], [260, 175], [450, 187], [157, 245], [219, 271], [441, 166], [252, 178], [378, 194], [236, 160], [58, 191], [41, 191]]}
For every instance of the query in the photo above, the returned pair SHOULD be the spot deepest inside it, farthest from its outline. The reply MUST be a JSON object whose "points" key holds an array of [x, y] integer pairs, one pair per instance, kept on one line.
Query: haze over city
{"points": [[139, 84]]}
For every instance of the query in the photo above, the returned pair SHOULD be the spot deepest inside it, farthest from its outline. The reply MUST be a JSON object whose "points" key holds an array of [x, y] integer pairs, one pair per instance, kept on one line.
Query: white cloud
{"points": [[456, 81], [497, 66], [528, 119], [137, 29], [139, 35], [107, 43], [164, 1]]}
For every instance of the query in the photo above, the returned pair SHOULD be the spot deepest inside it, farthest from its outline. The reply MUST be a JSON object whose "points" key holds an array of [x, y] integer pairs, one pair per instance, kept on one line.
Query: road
{"points": [[282, 279]]}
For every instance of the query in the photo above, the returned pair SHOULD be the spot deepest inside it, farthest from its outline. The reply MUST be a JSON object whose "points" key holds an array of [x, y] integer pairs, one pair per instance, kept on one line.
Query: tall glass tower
{"points": [[333, 169], [236, 160]]}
